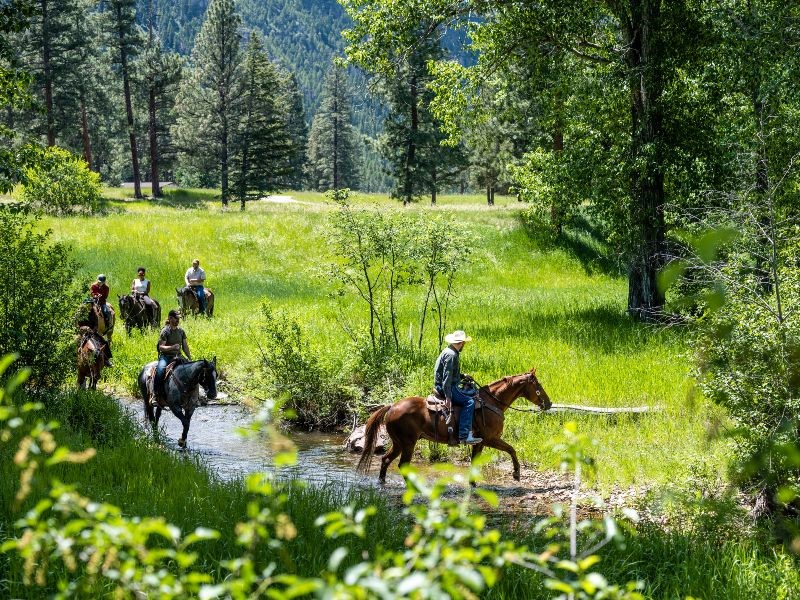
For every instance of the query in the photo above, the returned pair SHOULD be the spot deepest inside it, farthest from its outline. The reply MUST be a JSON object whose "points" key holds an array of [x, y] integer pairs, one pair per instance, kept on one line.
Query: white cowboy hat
{"points": [[456, 337]]}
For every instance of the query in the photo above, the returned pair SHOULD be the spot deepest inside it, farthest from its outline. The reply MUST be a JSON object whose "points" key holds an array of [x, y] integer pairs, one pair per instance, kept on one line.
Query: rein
{"points": [[510, 405]]}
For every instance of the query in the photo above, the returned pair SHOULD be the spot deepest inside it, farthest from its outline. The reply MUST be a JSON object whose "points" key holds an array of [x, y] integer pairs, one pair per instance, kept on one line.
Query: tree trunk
{"points": [[155, 184], [488, 195], [87, 140], [126, 86], [336, 130], [223, 157], [492, 202], [47, 74], [645, 299], [408, 168], [558, 148]]}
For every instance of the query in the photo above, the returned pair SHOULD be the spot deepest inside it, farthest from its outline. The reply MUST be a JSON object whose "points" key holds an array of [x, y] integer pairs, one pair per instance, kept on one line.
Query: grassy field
{"points": [[558, 307]]}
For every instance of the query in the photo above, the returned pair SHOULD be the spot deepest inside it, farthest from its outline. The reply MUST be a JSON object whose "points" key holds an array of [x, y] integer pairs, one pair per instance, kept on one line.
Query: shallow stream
{"points": [[214, 437]]}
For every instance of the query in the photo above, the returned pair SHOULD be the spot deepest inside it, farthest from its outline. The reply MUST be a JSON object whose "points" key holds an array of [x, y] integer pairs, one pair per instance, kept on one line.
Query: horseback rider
{"points": [[457, 388], [195, 279], [140, 289], [170, 343], [99, 293]]}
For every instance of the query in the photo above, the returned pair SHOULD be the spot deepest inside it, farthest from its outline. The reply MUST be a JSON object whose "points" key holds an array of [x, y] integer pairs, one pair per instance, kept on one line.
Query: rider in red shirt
{"points": [[99, 291]]}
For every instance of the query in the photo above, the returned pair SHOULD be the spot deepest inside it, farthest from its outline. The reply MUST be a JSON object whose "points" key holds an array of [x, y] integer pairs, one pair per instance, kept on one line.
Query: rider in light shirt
{"points": [[140, 287], [195, 278]]}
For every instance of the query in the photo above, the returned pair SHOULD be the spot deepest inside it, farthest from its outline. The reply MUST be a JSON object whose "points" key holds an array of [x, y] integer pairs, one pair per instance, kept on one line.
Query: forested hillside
{"points": [[303, 35]]}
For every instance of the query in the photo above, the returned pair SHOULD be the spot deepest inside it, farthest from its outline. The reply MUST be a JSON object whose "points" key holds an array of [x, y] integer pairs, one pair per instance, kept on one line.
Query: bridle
{"points": [[208, 369], [507, 382]]}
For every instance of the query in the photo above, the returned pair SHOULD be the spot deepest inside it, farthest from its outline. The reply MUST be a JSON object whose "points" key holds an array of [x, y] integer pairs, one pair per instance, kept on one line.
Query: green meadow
{"points": [[526, 301], [558, 307]]}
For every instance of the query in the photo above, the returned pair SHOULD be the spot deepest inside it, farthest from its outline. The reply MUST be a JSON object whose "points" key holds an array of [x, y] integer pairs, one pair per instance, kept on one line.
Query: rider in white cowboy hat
{"points": [[447, 379]]}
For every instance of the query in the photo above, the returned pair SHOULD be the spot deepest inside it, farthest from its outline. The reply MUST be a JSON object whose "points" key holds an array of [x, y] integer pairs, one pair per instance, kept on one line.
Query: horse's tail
{"points": [[370, 437]]}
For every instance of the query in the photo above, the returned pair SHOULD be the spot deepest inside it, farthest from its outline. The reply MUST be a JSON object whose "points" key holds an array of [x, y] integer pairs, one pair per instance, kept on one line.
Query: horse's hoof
{"points": [[516, 475], [182, 444], [382, 481]]}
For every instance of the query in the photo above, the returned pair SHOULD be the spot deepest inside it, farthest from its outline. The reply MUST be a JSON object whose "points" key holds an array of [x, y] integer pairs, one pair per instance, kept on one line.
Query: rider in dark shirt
{"points": [[447, 380], [170, 343]]}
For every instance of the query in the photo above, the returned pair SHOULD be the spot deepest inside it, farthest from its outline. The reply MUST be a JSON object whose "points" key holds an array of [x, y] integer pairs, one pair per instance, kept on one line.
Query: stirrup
{"points": [[470, 440]]}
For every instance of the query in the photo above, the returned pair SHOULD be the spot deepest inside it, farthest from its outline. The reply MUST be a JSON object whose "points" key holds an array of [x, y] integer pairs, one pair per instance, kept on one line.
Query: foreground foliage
{"points": [[450, 552]]}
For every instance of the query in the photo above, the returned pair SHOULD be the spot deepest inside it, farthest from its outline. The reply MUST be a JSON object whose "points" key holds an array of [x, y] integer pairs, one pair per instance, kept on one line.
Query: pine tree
{"points": [[210, 100], [333, 156], [297, 129], [161, 76], [261, 148], [126, 38], [411, 143]]}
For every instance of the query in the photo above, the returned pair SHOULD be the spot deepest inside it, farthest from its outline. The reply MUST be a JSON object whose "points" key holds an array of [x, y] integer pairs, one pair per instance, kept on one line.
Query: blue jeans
{"points": [[161, 368], [201, 296], [466, 400]]}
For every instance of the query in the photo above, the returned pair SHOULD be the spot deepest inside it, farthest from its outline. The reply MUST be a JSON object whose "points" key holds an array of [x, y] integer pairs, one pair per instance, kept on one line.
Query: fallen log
{"points": [[559, 408]]}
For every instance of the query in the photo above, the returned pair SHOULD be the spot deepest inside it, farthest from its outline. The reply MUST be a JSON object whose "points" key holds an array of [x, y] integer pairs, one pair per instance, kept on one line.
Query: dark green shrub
{"points": [[38, 295]]}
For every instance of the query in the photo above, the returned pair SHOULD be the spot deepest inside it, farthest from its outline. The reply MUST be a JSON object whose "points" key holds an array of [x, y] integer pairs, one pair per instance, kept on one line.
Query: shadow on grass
{"points": [[580, 239], [603, 329], [185, 198]]}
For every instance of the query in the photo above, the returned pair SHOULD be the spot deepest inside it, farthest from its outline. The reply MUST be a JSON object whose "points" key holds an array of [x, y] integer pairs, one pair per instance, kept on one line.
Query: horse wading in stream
{"points": [[181, 387], [410, 419]]}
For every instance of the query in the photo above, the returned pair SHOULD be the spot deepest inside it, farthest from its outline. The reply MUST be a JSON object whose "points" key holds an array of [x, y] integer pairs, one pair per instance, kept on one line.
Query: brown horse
{"points": [[188, 302], [410, 419], [91, 358], [96, 321]]}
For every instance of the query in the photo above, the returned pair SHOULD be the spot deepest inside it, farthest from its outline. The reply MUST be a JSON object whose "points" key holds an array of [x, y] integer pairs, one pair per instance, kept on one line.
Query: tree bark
{"points": [[408, 183], [645, 77], [155, 184], [87, 140], [47, 74], [126, 86]]}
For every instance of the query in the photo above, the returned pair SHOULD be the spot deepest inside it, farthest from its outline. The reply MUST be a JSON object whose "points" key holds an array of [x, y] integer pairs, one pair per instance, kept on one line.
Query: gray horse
{"points": [[181, 391]]}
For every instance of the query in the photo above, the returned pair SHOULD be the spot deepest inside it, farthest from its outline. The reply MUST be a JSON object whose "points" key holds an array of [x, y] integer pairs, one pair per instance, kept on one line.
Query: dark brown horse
{"points": [[91, 358], [410, 419], [135, 312]]}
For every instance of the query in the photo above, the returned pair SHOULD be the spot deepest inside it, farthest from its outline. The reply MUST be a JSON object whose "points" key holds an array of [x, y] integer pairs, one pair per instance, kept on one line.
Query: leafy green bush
{"points": [[61, 183], [314, 393], [38, 294]]}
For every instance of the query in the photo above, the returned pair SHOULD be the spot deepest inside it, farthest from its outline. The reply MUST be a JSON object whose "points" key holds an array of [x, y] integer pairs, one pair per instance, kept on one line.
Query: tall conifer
{"points": [[261, 145], [333, 156]]}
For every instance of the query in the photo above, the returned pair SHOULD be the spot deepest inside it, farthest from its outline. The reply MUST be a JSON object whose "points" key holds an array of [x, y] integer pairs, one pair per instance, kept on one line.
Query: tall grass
{"points": [[557, 307]]}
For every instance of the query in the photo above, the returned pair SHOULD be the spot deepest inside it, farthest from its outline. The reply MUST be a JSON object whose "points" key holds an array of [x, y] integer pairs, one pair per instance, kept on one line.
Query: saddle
{"points": [[161, 400], [440, 408]]}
